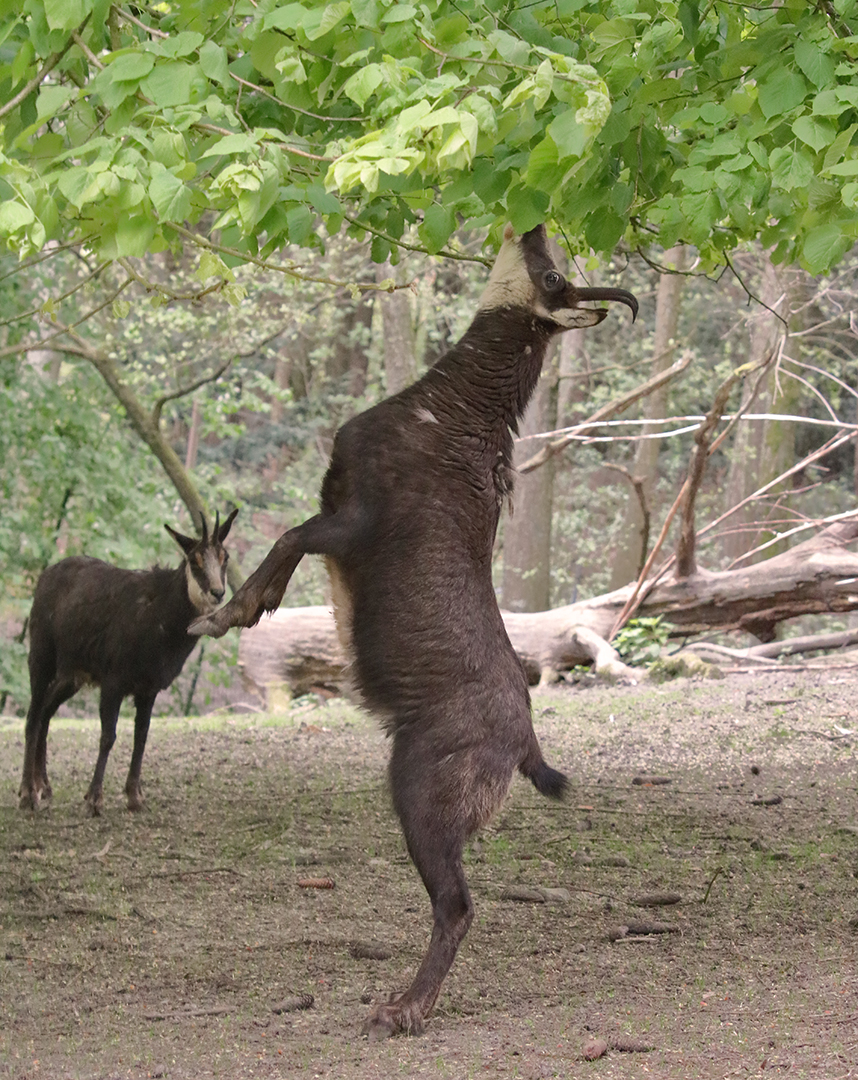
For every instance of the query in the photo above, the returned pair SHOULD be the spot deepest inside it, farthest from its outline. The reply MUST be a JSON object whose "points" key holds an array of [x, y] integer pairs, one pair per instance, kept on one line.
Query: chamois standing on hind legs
{"points": [[125, 630], [409, 510]]}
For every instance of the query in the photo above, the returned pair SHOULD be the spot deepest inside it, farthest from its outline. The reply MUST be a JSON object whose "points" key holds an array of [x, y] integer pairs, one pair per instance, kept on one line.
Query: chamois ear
{"points": [[222, 531], [186, 543]]}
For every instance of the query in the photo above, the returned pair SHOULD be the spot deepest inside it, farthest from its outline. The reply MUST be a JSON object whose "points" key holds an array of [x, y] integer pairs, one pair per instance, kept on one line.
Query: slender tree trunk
{"points": [[762, 449], [526, 583], [630, 556], [400, 363]]}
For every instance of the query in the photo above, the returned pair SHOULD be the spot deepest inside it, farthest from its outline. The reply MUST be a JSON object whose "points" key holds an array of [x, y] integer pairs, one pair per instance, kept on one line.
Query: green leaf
{"points": [[569, 136], [15, 216], [212, 265], [79, 185], [169, 84], [781, 93], [828, 103], [816, 133], [333, 16], [689, 17], [437, 227], [134, 236], [52, 99], [844, 168], [169, 196], [527, 208], [365, 12], [363, 84], [816, 64], [790, 168], [399, 13], [214, 63], [130, 66], [603, 231], [65, 14], [823, 246], [288, 17], [543, 171], [292, 70], [231, 145], [299, 224]]}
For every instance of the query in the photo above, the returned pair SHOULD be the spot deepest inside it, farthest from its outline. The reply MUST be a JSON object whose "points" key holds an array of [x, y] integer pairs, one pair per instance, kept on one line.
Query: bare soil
{"points": [[706, 926]]}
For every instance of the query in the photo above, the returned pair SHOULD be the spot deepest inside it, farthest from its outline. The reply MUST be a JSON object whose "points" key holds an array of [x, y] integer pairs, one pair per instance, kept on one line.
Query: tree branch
{"points": [[619, 405], [36, 80], [185, 390]]}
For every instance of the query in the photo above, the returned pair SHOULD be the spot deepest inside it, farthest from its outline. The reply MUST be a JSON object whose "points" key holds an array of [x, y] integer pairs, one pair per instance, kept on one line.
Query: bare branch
{"points": [[619, 405], [290, 271], [185, 390]]}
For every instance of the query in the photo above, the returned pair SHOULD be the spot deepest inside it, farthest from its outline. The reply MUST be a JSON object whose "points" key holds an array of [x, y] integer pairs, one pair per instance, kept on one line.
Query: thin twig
{"points": [[46, 69]]}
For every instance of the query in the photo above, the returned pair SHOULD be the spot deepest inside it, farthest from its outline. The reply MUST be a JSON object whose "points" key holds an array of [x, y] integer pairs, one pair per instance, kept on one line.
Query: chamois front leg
{"points": [[108, 711], [264, 589], [144, 704]]}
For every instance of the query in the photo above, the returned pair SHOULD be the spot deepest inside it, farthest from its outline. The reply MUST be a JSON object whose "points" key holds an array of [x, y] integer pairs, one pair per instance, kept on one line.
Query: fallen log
{"points": [[297, 649]]}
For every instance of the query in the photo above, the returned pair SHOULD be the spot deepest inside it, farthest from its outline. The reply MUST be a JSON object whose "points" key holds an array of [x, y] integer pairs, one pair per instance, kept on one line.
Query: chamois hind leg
{"points": [[108, 711], [440, 804], [264, 589], [143, 703], [438, 859], [46, 698]]}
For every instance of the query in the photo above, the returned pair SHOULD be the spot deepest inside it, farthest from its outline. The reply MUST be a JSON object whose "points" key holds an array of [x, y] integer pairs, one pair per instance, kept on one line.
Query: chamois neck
{"points": [[496, 364]]}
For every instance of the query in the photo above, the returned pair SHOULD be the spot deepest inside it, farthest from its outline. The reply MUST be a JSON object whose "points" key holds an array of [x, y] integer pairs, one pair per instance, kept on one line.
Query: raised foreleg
{"points": [[324, 534]]}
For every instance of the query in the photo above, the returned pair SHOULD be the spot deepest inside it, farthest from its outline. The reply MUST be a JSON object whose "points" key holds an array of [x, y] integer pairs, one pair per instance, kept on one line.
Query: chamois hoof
{"points": [[393, 1019], [134, 800], [34, 798], [93, 804], [28, 800]]}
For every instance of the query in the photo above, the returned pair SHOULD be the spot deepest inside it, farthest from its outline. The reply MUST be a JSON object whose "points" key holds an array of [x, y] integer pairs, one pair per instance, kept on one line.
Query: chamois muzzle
{"points": [[623, 296]]}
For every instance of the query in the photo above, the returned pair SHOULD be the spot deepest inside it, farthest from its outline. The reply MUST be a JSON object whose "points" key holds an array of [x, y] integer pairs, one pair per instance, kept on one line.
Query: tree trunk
{"points": [[752, 462], [526, 583], [400, 364], [299, 648], [631, 554], [147, 427]]}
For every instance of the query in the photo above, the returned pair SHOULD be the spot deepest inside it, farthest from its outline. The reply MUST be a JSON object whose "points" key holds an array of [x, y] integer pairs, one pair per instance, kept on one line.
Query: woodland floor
{"points": [[163, 944]]}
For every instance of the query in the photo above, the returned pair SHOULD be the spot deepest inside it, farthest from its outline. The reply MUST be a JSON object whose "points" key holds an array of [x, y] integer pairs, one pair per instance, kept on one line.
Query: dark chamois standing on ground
{"points": [[124, 630], [409, 510]]}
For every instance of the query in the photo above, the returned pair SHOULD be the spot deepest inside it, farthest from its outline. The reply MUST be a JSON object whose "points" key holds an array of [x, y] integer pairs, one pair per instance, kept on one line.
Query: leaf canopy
{"points": [[261, 124]]}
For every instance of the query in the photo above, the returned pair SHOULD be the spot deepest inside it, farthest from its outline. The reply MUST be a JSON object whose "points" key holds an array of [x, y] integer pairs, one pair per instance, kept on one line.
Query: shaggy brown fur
{"points": [[409, 509]]}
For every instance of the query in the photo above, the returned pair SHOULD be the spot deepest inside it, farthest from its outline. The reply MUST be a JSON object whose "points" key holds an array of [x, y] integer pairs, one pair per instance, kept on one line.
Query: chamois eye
{"points": [[552, 280]]}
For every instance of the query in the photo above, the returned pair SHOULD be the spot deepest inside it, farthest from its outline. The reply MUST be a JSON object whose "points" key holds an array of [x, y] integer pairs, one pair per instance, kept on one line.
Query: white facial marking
{"points": [[509, 281], [202, 601], [570, 318]]}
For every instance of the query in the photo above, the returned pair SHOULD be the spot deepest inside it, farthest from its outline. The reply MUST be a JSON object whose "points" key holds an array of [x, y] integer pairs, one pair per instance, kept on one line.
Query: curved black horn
{"points": [[204, 528], [621, 295]]}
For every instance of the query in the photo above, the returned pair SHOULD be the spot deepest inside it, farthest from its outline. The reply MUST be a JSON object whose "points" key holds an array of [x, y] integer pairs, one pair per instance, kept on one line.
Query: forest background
{"points": [[230, 226]]}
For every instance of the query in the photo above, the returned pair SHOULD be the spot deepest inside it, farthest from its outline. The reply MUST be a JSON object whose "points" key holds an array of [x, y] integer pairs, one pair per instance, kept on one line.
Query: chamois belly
{"points": [[425, 638]]}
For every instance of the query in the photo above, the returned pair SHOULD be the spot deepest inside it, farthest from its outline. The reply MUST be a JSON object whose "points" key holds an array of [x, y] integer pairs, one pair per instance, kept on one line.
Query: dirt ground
{"points": [[706, 926]]}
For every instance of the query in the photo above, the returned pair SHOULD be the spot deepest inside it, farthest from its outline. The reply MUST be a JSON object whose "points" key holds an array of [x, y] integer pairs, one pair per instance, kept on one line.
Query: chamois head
{"points": [[525, 276], [205, 563]]}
